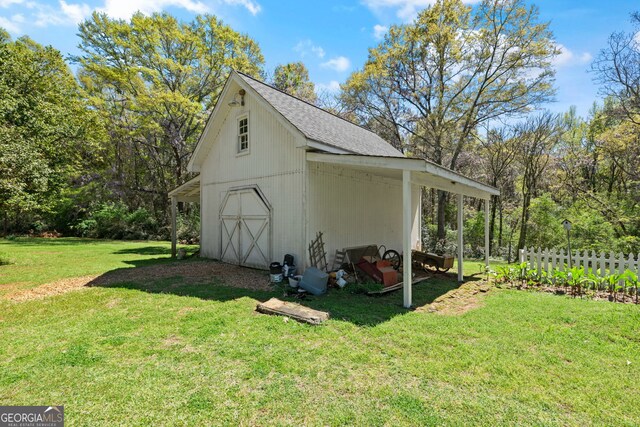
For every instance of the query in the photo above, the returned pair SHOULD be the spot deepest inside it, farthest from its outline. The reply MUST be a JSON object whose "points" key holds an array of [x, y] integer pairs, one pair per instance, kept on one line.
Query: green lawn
{"points": [[165, 352], [29, 262]]}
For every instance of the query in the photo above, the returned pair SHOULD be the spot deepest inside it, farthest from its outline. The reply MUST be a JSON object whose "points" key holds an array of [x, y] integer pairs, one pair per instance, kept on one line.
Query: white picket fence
{"points": [[600, 264]]}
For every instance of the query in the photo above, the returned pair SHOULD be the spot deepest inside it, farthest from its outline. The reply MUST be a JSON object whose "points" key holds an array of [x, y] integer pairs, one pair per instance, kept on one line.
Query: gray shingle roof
{"points": [[321, 126]]}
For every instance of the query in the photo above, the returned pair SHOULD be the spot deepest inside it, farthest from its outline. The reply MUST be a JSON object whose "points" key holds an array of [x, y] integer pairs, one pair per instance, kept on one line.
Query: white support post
{"points": [[486, 232], [407, 227], [460, 238], [174, 232]]}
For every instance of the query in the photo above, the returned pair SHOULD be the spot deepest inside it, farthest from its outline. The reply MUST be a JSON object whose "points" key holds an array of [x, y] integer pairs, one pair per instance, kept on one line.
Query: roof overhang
{"points": [[423, 172], [187, 192]]}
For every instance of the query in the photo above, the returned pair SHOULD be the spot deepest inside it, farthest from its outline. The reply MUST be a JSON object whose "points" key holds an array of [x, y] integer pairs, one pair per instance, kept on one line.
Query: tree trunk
{"points": [[522, 240], [500, 223], [492, 221], [433, 211], [441, 216]]}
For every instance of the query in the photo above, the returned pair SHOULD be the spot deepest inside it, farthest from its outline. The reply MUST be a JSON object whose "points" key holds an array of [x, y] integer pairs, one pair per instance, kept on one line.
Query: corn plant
{"points": [[523, 272], [545, 278], [560, 278], [613, 281], [503, 274], [633, 280], [576, 279]]}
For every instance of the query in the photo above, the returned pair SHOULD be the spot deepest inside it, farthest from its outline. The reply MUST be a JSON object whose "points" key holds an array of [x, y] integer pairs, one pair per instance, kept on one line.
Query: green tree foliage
{"points": [[47, 135], [155, 79], [293, 78], [431, 83], [544, 226]]}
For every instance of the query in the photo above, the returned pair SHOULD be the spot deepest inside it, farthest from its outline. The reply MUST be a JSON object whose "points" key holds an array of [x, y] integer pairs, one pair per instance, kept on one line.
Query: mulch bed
{"points": [[203, 271], [460, 300], [561, 290]]}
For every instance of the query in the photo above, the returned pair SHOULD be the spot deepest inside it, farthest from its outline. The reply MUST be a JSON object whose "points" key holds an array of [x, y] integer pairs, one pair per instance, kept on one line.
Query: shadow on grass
{"points": [[181, 278], [365, 310], [50, 241], [147, 250]]}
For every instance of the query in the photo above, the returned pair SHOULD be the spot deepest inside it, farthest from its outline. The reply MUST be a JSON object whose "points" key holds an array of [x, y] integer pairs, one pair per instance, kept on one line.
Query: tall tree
{"points": [[617, 69], [155, 79], [47, 135], [434, 81], [537, 139], [499, 150], [293, 78]]}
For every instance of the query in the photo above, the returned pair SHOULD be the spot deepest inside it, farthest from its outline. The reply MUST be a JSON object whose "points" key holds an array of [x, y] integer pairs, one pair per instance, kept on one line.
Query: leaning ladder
{"points": [[317, 254]]}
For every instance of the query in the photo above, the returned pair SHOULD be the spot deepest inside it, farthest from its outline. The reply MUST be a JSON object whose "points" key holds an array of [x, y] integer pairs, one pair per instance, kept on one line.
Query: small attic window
{"points": [[243, 134]]}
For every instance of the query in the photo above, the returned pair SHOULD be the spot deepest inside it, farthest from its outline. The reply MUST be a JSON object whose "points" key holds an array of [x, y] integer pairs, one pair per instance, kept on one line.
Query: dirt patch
{"points": [[9, 288], [114, 303], [176, 342], [49, 289], [188, 272], [171, 341], [184, 311], [466, 297]]}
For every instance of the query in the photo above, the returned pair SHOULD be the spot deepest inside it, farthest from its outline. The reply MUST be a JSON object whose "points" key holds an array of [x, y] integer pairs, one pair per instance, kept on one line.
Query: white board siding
{"points": [[273, 163], [353, 208]]}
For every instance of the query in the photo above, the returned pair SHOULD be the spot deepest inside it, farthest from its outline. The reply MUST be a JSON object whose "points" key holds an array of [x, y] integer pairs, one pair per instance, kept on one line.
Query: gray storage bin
{"points": [[314, 281]]}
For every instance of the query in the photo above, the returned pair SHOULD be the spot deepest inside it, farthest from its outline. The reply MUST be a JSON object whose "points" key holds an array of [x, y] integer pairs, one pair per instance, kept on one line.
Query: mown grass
{"points": [[27, 262], [169, 353]]}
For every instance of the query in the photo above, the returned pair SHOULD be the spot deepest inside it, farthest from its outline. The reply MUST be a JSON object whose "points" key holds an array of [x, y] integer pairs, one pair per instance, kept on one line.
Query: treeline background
{"points": [[95, 151]]}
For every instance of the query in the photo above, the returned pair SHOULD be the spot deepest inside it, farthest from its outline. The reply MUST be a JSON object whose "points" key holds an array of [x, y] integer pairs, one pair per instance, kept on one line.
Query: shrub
{"points": [[188, 226], [116, 221]]}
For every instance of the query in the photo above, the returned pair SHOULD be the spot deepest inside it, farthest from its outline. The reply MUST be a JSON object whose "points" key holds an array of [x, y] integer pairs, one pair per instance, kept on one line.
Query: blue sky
{"points": [[332, 36]]}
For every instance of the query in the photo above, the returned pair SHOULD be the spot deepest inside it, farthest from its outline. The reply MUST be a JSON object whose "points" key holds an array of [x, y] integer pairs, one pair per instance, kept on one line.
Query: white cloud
{"points": [[339, 63], [6, 3], [69, 13], [405, 9], [75, 12], [332, 87], [124, 9], [307, 48], [567, 58], [253, 7], [12, 24], [585, 57], [379, 31]]}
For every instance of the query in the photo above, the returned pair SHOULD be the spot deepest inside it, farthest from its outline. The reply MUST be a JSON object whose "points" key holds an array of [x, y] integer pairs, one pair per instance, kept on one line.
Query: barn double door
{"points": [[245, 222]]}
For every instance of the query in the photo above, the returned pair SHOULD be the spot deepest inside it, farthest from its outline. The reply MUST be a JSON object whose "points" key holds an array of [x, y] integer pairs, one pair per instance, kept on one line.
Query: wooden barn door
{"points": [[245, 221]]}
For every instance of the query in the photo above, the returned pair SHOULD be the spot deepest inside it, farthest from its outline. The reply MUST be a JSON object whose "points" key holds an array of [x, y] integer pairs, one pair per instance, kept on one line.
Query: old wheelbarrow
{"points": [[432, 261], [424, 260]]}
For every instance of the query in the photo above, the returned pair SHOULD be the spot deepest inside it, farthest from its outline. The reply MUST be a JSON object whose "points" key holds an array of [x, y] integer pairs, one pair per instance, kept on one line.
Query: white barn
{"points": [[274, 170]]}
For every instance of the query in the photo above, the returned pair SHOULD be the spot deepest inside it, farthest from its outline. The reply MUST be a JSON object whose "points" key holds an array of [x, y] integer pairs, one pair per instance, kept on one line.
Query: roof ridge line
{"points": [[315, 106]]}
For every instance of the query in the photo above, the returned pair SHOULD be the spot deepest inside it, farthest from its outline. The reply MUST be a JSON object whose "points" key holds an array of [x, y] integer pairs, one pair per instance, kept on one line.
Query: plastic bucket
{"points": [[291, 271], [275, 268], [276, 278], [293, 281]]}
